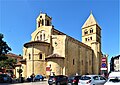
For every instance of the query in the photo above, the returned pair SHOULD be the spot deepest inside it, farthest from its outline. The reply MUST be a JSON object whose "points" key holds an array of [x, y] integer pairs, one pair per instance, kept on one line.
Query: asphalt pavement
{"points": [[45, 82]]}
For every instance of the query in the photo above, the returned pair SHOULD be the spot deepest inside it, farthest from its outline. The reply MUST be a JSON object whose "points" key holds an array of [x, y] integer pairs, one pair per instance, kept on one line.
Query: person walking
{"points": [[32, 76]]}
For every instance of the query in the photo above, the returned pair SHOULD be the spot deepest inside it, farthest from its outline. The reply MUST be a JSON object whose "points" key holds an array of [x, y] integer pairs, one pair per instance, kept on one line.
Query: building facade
{"points": [[52, 51], [115, 63]]}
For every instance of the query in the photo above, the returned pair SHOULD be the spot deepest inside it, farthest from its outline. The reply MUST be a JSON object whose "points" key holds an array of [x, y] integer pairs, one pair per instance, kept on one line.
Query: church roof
{"points": [[90, 21], [55, 55]]}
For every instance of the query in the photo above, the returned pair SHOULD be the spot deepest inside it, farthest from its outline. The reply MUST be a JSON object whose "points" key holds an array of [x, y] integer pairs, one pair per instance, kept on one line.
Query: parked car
{"points": [[113, 81], [92, 80], [4, 78], [73, 80], [58, 80], [114, 74], [39, 77], [29, 79]]}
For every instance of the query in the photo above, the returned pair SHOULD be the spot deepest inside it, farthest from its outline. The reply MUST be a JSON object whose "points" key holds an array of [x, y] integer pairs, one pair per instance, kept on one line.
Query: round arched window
{"points": [[91, 30], [85, 32]]}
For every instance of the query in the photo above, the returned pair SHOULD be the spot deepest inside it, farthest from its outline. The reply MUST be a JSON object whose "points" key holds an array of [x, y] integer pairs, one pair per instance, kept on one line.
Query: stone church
{"points": [[52, 51]]}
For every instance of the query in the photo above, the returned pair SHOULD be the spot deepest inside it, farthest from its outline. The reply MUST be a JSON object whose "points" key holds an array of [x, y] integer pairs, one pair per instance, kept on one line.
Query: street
{"points": [[45, 82]]}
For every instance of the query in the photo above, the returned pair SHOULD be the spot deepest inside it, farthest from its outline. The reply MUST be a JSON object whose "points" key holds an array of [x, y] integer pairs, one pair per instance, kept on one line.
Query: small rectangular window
{"points": [[73, 61], [39, 24], [40, 57], [90, 38], [47, 22], [42, 22], [82, 62], [29, 56]]}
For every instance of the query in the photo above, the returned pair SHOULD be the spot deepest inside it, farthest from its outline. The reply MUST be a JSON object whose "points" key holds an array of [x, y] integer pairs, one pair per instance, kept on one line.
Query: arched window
{"points": [[37, 37], [42, 22], [85, 32], [85, 39], [40, 36], [90, 38], [38, 23], [48, 22], [29, 56], [44, 36], [91, 30]]}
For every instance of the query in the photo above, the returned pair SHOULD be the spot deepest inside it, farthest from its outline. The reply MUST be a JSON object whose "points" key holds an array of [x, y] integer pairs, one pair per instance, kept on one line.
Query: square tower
{"points": [[91, 36]]}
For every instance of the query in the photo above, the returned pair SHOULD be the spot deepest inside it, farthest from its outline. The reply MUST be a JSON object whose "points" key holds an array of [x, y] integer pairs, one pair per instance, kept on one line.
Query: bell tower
{"points": [[43, 28], [91, 36], [43, 20]]}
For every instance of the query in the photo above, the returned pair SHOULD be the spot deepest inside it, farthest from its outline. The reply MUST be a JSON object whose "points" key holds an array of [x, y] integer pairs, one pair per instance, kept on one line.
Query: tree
{"points": [[4, 48], [20, 71], [8, 63]]}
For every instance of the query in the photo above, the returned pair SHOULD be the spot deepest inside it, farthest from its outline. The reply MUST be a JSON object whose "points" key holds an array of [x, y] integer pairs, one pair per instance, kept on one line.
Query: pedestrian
{"points": [[32, 76], [22, 79]]}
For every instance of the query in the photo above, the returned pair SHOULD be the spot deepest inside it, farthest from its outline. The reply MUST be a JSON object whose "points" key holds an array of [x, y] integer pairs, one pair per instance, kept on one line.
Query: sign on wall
{"points": [[48, 68]]}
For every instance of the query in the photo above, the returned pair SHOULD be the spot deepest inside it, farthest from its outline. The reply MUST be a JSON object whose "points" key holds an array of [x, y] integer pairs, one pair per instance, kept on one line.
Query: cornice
{"points": [[92, 25], [32, 43]]}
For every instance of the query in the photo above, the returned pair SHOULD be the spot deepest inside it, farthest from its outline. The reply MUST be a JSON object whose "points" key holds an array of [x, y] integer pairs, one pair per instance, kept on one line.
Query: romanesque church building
{"points": [[51, 51]]}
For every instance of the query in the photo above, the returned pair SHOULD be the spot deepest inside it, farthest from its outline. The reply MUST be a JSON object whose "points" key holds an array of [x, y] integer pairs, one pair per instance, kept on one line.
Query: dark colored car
{"points": [[58, 80], [4, 78], [73, 80], [39, 77], [29, 79]]}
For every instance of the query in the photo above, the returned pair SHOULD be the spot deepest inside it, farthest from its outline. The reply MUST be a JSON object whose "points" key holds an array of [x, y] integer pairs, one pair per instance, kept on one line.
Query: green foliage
{"points": [[4, 48], [8, 63], [20, 71]]}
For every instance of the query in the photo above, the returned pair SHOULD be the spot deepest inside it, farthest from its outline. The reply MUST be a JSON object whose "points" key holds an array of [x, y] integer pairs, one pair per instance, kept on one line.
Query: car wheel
{"points": [[40, 79]]}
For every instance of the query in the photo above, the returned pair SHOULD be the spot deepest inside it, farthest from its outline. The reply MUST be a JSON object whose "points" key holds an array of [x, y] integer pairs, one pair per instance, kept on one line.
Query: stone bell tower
{"points": [[91, 36], [43, 20]]}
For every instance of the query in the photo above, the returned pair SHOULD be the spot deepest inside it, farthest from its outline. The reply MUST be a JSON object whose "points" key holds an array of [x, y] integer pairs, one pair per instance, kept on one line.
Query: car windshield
{"points": [[38, 75], [114, 80], [85, 78], [52, 77]]}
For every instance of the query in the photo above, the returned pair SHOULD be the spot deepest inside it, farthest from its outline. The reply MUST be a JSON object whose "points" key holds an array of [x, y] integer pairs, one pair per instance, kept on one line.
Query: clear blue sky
{"points": [[18, 20]]}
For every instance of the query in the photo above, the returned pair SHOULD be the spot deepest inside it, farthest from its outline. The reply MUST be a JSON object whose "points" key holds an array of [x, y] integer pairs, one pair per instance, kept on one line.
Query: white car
{"points": [[114, 74], [92, 80], [113, 78], [113, 81]]}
